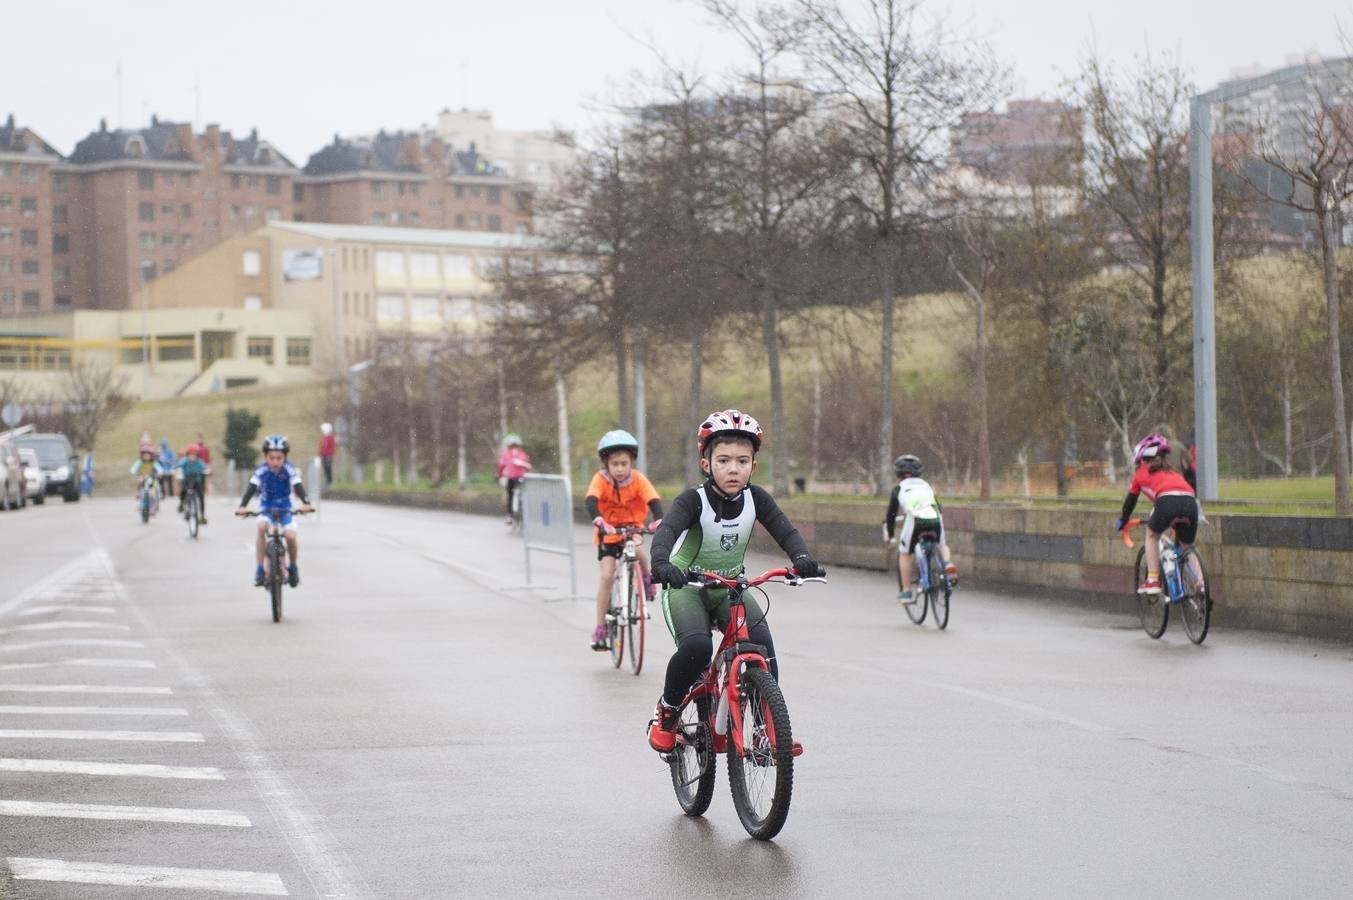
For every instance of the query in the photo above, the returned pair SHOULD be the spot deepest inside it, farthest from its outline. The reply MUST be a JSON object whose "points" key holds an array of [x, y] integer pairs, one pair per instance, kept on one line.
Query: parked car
{"points": [[58, 462], [13, 492], [35, 479]]}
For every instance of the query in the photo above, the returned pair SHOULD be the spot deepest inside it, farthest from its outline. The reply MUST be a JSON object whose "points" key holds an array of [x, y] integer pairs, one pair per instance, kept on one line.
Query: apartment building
{"points": [[34, 234], [408, 180], [1032, 141], [540, 157], [142, 201]]}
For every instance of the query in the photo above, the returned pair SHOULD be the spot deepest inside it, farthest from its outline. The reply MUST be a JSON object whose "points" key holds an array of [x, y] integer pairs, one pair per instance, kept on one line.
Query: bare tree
{"points": [[897, 84], [1317, 162], [94, 400]]}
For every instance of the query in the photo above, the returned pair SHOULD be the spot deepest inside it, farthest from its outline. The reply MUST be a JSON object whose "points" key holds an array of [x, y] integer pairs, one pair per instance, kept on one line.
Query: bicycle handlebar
{"points": [[703, 578], [249, 514]]}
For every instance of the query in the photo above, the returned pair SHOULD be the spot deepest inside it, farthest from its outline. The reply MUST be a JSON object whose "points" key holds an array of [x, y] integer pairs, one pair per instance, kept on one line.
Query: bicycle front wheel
{"points": [[634, 619], [762, 776], [193, 515], [1152, 609], [693, 760], [1196, 605], [275, 577], [939, 592], [615, 628]]}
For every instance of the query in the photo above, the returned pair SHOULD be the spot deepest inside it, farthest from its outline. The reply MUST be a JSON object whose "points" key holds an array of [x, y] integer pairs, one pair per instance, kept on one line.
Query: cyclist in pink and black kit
{"points": [[512, 468], [1174, 502]]}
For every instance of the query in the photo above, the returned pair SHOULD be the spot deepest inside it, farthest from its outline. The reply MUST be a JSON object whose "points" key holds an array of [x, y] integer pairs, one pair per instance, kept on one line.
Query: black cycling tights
{"points": [[692, 656]]}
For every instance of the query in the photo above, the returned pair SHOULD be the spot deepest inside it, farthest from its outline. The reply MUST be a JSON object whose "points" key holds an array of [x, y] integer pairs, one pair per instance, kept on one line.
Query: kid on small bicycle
{"points": [[192, 472], [148, 467], [273, 481], [619, 495], [1174, 503], [709, 527], [914, 500], [512, 468]]}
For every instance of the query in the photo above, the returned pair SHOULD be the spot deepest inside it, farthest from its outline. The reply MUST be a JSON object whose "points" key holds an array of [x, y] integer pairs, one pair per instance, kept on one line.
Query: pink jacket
{"points": [[514, 463]]}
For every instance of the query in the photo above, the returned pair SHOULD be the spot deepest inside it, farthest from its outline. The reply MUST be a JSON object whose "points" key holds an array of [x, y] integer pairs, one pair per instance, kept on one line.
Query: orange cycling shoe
{"points": [[662, 728]]}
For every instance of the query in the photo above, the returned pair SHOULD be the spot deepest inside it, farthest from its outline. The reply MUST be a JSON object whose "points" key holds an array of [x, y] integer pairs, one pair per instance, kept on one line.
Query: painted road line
{"points": [[24, 710], [61, 734], [127, 770], [88, 663], [52, 584], [85, 689], [223, 881], [68, 607], [62, 626], [122, 643], [109, 813]]}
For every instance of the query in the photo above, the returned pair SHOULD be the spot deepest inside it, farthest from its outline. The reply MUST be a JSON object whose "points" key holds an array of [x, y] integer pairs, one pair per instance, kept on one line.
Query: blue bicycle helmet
{"points": [[619, 439]]}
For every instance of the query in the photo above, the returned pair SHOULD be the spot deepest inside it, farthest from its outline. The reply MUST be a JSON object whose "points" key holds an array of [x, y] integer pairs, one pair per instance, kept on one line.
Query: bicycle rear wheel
{"points": [[145, 507], [762, 778], [275, 577], [1196, 605], [1152, 609], [693, 760], [939, 592], [193, 514], [615, 628], [915, 611], [634, 618]]}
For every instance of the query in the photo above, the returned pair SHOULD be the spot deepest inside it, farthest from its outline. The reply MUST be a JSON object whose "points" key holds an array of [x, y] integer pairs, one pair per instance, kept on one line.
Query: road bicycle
{"points": [[627, 614], [1184, 582], [275, 555], [518, 484], [736, 708], [192, 509], [932, 587], [146, 501]]}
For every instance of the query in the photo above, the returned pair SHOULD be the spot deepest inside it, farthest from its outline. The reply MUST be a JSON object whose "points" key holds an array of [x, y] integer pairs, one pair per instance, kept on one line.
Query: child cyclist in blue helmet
{"points": [[618, 495]]}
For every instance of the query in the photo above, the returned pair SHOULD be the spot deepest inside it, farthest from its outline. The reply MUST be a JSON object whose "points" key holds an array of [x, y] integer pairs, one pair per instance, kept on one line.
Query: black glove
{"points": [[668, 574], [807, 567]]}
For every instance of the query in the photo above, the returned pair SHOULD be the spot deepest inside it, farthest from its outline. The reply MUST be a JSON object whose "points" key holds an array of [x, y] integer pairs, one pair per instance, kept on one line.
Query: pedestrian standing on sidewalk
{"points": [[328, 445]]}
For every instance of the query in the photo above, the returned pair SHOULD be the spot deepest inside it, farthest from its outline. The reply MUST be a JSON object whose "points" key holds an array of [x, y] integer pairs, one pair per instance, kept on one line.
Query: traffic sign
{"points": [[12, 414]]}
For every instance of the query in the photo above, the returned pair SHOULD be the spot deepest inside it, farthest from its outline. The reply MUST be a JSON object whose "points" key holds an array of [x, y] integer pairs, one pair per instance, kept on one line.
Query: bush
{"points": [[241, 437]]}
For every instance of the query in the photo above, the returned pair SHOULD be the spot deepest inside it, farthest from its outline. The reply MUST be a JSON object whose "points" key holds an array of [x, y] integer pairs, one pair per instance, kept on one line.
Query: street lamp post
{"points": [[147, 270]]}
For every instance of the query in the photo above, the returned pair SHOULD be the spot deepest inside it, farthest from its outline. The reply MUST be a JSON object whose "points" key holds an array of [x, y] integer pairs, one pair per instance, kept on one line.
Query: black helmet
{"points": [[907, 464]]}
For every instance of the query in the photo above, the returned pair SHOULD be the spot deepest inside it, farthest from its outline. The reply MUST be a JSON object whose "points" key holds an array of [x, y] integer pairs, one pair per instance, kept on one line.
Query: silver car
{"points": [[35, 480], [13, 491]]}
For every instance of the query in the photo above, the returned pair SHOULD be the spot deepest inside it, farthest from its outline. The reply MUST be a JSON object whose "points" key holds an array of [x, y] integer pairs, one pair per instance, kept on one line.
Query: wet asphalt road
{"points": [[418, 726]]}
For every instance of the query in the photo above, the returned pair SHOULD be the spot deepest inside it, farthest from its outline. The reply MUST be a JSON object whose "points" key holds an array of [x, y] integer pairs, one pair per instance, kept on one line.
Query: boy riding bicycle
{"points": [[914, 500], [708, 527], [274, 481], [619, 495], [512, 468], [192, 474], [1174, 504]]}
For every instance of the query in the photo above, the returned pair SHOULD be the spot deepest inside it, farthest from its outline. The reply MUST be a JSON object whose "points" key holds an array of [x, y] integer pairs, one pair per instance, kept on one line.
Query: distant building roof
{"points": [[165, 141], [16, 139], [380, 234], [389, 152]]}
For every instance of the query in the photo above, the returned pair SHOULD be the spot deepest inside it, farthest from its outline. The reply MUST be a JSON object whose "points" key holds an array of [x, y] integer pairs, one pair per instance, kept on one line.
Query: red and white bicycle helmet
{"points": [[1150, 447], [727, 423]]}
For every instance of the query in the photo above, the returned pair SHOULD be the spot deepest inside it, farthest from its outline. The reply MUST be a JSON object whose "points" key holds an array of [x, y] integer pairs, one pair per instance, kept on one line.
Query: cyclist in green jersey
{"points": [[709, 528]]}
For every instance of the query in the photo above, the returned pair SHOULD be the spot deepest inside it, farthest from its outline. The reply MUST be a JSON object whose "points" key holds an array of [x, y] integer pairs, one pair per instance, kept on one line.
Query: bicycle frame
{"points": [[1174, 578]]}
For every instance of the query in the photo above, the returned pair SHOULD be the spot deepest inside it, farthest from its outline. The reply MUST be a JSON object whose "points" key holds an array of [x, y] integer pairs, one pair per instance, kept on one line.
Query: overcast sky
{"points": [[301, 71]]}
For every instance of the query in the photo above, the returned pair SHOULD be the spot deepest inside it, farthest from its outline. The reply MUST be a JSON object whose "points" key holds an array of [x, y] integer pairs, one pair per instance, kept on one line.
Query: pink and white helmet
{"points": [[726, 423], [1150, 447]]}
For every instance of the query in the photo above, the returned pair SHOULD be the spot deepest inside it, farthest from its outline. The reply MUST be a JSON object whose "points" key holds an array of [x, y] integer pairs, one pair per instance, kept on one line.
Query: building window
{"points": [[394, 218], [472, 220], [5, 169], [377, 189], [145, 212], [6, 296], [60, 215], [495, 195], [273, 214], [145, 180], [298, 351], [28, 174], [147, 267], [251, 181], [253, 302], [253, 262], [59, 185], [458, 266], [425, 309], [475, 191], [345, 259], [6, 201], [31, 299], [460, 220], [347, 304], [6, 265], [28, 207], [167, 238], [31, 268], [28, 237], [260, 348], [274, 184], [185, 240], [235, 181], [378, 218], [415, 219], [169, 266], [6, 234], [146, 240], [176, 348], [60, 243], [234, 213], [495, 223], [460, 190], [389, 308], [62, 301], [166, 209], [61, 272], [250, 212], [390, 263], [423, 266], [297, 192], [186, 210]]}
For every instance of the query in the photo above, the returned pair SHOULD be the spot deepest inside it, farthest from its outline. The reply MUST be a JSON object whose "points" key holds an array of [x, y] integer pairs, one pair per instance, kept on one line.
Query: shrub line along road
{"points": [[416, 727]]}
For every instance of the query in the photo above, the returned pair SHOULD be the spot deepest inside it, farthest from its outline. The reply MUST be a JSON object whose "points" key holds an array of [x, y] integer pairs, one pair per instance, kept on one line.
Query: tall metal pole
{"points": [[145, 332], [1204, 325], [640, 409]]}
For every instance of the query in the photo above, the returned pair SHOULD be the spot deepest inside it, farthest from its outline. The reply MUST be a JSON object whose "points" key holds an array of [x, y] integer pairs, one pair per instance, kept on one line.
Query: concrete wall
{"points": [[1278, 573]]}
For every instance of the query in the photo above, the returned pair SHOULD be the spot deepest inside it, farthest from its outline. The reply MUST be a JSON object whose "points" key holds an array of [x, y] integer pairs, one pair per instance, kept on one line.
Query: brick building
{"points": [[34, 235], [408, 180], [141, 201], [1033, 141]]}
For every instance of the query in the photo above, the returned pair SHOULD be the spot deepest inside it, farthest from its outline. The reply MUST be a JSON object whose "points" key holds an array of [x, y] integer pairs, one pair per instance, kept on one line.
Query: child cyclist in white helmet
{"points": [[913, 501], [273, 482], [618, 495], [709, 527]]}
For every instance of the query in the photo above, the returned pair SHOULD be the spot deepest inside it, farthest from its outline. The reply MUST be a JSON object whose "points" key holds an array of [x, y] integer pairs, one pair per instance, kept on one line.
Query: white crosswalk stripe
{"points": [[31, 710], [122, 643], [63, 626], [84, 662], [84, 689], [110, 812], [85, 610], [129, 770], [73, 872], [58, 734]]}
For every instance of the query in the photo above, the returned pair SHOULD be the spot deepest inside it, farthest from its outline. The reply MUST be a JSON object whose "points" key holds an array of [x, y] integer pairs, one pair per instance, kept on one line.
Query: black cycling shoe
{"points": [[293, 576]]}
